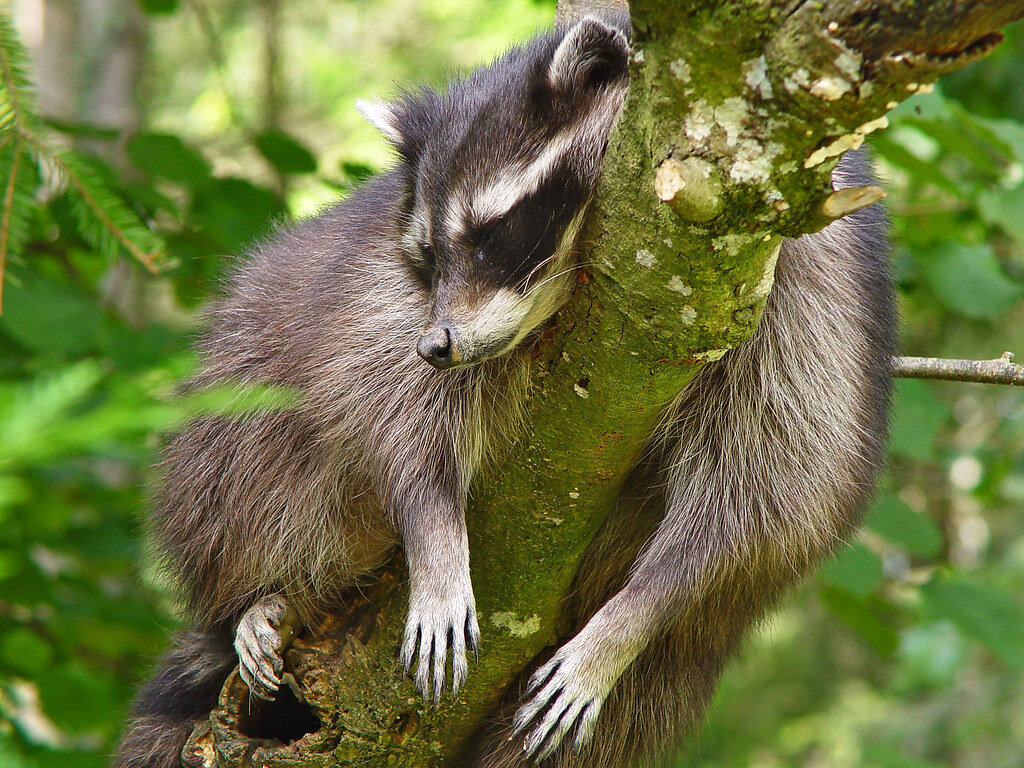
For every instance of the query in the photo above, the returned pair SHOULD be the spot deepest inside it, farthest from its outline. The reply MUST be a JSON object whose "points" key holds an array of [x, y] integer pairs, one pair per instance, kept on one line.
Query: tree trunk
{"points": [[736, 115]]}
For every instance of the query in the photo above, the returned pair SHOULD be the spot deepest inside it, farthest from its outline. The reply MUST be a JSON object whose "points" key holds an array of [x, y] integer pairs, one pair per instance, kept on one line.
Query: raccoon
{"points": [[399, 316], [402, 316]]}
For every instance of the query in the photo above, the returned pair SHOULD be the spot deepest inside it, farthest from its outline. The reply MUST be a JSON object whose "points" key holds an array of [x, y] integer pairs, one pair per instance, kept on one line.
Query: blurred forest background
{"points": [[161, 136]]}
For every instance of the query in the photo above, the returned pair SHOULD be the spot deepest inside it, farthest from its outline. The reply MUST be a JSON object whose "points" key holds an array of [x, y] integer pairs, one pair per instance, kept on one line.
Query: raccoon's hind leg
{"points": [[264, 633], [773, 451]]}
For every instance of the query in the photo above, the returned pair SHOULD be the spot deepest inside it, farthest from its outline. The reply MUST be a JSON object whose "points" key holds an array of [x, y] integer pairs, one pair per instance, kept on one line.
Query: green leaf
{"points": [[33, 427], [235, 211], [981, 612], [930, 655], [18, 181], [357, 172], [11, 751], [285, 152], [240, 398], [83, 129], [168, 157], [950, 134], [48, 317], [1012, 133], [917, 417], [13, 490], [855, 569], [885, 754], [138, 348], [891, 518], [24, 651], [1004, 209], [968, 279], [11, 563], [103, 218], [920, 170], [78, 697], [17, 97], [866, 617]]}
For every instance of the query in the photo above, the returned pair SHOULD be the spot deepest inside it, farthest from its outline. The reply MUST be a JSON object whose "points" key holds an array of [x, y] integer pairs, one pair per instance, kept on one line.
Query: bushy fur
{"points": [[182, 689]]}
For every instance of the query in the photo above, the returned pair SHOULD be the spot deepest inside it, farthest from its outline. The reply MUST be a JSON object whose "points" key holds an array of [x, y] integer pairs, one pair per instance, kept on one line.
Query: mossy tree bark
{"points": [[736, 115]]}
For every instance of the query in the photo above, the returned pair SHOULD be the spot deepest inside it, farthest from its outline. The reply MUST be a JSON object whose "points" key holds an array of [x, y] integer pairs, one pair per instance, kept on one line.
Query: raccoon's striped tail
{"points": [[182, 690]]}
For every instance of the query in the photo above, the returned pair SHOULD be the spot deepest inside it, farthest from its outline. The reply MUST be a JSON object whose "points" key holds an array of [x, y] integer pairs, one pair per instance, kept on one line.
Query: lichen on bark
{"points": [[757, 98]]}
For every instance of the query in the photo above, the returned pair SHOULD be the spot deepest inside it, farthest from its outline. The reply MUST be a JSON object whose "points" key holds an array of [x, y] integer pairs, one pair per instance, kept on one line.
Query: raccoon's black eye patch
{"points": [[424, 265], [508, 251], [483, 233]]}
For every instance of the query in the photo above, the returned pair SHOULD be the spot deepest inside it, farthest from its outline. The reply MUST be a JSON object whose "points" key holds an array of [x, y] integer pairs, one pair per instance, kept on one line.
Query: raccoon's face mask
{"points": [[500, 170]]}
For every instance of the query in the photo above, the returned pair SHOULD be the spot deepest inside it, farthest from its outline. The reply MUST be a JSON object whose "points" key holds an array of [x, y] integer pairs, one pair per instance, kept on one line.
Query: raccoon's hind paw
{"points": [[431, 625], [263, 633], [569, 690], [568, 697]]}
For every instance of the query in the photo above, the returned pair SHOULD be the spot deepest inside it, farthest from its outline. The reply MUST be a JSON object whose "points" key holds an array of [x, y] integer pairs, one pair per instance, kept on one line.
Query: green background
{"points": [[907, 651]]}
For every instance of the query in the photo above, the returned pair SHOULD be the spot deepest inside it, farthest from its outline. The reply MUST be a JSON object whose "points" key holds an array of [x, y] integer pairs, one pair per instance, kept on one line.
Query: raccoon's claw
{"points": [[430, 628], [262, 635], [473, 635], [566, 693]]}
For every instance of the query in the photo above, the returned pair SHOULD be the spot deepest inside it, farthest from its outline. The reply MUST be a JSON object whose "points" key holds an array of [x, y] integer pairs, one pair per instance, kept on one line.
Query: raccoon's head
{"points": [[500, 169]]}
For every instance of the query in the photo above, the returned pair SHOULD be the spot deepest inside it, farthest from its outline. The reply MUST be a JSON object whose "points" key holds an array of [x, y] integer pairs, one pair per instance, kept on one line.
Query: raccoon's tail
{"points": [[182, 690]]}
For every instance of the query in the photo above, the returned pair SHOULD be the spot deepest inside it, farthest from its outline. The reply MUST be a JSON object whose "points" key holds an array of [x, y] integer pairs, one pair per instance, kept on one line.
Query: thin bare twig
{"points": [[999, 371]]}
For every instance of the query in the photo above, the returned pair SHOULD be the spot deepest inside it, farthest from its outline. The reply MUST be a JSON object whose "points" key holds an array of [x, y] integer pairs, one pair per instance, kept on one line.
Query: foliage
{"points": [[32, 159], [914, 627]]}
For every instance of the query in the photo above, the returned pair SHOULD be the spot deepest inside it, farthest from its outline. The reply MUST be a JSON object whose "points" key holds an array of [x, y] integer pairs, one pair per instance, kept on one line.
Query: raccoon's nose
{"points": [[435, 346]]}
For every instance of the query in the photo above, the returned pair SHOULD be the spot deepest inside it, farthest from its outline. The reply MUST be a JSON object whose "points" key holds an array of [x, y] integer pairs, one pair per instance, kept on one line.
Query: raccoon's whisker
{"points": [[565, 271], [555, 276], [526, 280], [555, 254], [533, 250]]}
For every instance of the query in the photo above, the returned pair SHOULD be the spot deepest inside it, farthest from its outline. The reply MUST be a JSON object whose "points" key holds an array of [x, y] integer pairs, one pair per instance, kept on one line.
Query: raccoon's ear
{"points": [[382, 116], [591, 54], [405, 122]]}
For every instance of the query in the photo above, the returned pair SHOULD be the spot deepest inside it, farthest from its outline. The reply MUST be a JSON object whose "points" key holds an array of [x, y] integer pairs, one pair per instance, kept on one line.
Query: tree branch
{"points": [[1002, 370]]}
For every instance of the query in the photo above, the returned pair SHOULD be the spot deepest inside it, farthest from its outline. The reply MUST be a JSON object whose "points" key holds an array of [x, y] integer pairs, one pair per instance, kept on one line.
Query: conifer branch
{"points": [[5, 218], [104, 219]]}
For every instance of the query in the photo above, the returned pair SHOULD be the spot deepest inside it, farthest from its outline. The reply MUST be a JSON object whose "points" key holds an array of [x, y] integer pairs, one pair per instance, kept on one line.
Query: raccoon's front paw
{"points": [[432, 623], [568, 692], [263, 633]]}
